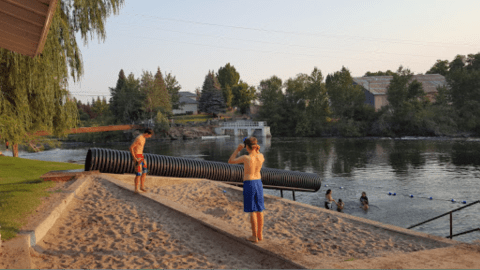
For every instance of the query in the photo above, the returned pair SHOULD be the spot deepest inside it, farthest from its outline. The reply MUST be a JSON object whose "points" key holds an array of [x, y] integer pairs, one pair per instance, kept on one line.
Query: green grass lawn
{"points": [[21, 190], [182, 119]]}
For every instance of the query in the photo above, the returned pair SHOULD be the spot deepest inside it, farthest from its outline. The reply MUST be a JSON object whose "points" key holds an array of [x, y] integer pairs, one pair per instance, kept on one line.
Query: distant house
{"points": [[188, 104], [375, 87]]}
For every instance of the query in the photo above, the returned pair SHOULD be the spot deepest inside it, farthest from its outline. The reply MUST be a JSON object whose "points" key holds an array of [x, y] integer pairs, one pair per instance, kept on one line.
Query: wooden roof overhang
{"points": [[24, 25]]}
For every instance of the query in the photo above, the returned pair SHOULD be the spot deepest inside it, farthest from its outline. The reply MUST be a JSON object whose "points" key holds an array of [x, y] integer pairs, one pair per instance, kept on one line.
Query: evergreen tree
{"points": [[156, 94], [211, 99], [34, 93], [464, 82], [228, 77], [345, 97], [271, 98], [243, 94], [379, 73], [407, 104], [173, 87], [127, 101], [440, 67]]}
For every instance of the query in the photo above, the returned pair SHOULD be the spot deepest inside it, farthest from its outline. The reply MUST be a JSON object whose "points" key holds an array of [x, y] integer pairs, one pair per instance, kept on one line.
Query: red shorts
{"points": [[141, 166]]}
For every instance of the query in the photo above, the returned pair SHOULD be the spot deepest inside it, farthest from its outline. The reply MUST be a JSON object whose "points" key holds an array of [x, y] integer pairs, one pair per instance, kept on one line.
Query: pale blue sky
{"points": [[264, 38]]}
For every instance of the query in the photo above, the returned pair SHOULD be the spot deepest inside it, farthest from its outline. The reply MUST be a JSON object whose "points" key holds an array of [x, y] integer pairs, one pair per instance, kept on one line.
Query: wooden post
{"points": [[15, 150], [293, 192], [281, 193], [451, 225]]}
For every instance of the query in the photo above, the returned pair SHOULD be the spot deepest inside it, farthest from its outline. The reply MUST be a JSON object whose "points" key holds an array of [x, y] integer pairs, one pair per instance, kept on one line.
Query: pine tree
{"points": [[211, 99]]}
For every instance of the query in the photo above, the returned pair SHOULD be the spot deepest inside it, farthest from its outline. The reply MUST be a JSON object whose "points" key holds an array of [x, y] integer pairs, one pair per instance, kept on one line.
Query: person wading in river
{"points": [[136, 149], [252, 185]]}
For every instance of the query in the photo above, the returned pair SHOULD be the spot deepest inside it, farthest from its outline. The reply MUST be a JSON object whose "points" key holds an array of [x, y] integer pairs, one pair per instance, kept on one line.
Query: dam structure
{"points": [[244, 128]]}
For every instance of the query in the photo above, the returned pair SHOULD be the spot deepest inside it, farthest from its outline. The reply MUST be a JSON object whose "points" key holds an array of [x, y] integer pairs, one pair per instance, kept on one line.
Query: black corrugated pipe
{"points": [[118, 161]]}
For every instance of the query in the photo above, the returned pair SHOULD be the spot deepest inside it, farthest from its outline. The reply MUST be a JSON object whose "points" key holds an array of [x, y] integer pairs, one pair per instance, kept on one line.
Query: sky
{"points": [[262, 38]]}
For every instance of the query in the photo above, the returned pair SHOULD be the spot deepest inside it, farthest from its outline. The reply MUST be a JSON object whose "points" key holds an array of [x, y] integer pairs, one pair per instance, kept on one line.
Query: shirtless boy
{"points": [[136, 149], [253, 202]]}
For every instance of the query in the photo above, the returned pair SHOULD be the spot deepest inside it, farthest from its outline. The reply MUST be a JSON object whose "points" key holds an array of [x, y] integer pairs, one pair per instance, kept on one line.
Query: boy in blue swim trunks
{"points": [[136, 149], [252, 185]]}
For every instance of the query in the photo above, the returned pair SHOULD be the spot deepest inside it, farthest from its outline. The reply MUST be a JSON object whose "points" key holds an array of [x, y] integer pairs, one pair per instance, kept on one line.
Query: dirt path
{"points": [[108, 227]]}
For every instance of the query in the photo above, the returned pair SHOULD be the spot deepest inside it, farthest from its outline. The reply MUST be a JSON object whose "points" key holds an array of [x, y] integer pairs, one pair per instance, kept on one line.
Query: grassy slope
{"points": [[21, 190]]}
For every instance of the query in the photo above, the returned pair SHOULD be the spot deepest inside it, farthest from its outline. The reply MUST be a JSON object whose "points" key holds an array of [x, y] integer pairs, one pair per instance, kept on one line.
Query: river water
{"points": [[443, 169]]}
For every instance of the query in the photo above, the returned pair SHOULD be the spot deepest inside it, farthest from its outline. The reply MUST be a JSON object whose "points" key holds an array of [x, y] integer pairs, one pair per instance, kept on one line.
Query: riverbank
{"points": [[190, 132], [142, 234]]}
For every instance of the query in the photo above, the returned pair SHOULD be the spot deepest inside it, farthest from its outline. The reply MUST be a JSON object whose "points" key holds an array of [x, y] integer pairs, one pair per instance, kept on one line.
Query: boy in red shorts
{"points": [[136, 149]]}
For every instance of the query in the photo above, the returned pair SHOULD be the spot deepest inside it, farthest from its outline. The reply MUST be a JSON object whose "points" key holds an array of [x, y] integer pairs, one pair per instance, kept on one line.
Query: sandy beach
{"points": [[109, 227]]}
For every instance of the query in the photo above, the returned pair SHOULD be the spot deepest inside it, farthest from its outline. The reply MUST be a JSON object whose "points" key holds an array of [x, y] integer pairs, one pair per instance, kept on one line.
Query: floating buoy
{"points": [[411, 196], [453, 200], [389, 193], [326, 185], [431, 198], [464, 202], [341, 187], [394, 193]]}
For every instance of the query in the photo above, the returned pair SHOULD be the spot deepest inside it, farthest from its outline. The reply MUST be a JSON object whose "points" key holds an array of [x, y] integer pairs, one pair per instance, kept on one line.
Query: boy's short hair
{"points": [[148, 131], [339, 200]]}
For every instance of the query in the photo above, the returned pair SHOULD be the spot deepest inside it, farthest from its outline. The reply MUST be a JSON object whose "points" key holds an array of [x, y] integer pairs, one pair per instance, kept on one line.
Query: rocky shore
{"points": [[190, 132]]}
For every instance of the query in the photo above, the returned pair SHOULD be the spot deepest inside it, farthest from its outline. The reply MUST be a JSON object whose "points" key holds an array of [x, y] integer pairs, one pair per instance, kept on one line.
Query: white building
{"points": [[188, 104]]}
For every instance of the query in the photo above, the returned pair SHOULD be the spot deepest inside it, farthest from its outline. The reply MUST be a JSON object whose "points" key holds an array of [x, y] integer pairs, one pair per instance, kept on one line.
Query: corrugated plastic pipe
{"points": [[118, 161]]}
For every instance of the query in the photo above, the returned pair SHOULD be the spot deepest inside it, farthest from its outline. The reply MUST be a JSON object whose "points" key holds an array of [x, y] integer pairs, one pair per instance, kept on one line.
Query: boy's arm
{"points": [[233, 160], [135, 143]]}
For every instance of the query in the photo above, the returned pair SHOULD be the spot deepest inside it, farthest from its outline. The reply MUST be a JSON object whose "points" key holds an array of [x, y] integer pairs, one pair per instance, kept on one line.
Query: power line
{"points": [[275, 43], [242, 49], [401, 41]]}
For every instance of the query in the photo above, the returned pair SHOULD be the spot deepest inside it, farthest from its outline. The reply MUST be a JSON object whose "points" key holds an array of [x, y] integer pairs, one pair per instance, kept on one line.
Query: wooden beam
{"points": [[46, 27], [33, 6], [17, 48], [24, 36], [44, 1], [27, 43], [20, 25], [22, 14]]}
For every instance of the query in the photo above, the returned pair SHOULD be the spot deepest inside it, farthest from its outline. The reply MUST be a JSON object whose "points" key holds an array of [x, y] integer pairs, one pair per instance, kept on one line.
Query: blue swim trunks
{"points": [[253, 196]]}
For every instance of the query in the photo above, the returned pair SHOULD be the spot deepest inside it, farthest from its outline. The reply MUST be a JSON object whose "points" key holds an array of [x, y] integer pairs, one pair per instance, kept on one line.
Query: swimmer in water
{"points": [[364, 201]]}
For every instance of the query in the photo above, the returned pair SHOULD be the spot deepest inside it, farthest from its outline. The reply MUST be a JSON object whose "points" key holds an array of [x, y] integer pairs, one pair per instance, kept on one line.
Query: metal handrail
{"points": [[451, 218], [465, 232]]}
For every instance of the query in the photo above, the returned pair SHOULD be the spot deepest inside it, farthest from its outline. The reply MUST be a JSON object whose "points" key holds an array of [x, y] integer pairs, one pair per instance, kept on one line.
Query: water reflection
{"points": [[307, 155], [466, 153], [351, 154], [402, 154]]}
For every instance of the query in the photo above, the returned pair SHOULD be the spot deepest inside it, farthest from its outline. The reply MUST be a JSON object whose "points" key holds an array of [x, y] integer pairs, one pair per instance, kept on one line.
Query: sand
{"points": [[321, 239], [109, 227]]}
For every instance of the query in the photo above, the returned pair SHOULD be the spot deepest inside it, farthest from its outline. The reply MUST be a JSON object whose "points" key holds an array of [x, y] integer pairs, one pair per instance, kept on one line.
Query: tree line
{"points": [[306, 105], [153, 97]]}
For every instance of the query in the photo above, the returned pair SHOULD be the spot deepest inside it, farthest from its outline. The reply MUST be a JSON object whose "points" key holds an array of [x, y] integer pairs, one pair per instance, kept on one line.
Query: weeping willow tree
{"points": [[34, 91]]}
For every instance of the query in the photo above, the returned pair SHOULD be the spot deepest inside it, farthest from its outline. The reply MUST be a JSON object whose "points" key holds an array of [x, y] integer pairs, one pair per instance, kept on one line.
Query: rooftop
{"points": [[378, 85], [24, 25]]}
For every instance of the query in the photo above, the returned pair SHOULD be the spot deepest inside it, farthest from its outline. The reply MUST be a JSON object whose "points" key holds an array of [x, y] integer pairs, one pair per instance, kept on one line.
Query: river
{"points": [[443, 169]]}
